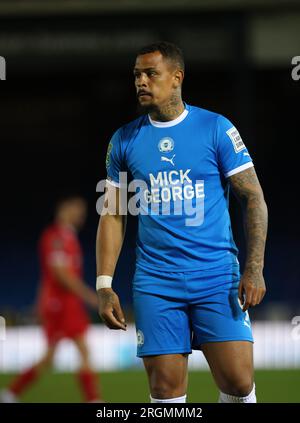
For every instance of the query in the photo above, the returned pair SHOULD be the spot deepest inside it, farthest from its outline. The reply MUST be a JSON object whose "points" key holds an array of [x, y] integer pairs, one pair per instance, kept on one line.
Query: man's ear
{"points": [[178, 78]]}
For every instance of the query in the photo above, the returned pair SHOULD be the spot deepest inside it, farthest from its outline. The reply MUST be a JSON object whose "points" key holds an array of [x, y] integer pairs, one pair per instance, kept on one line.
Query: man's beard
{"points": [[145, 109]]}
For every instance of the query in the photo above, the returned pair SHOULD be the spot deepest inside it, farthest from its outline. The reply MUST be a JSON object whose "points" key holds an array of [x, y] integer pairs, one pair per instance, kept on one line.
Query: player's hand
{"points": [[110, 309], [252, 288]]}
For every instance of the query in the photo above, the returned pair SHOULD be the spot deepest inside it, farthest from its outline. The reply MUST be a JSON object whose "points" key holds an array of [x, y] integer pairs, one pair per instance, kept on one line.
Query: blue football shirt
{"points": [[184, 165]]}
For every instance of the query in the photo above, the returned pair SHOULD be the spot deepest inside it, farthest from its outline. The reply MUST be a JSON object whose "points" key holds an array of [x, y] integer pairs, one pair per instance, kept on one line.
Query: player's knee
{"points": [[165, 389], [85, 366], [44, 363], [48, 360], [240, 387]]}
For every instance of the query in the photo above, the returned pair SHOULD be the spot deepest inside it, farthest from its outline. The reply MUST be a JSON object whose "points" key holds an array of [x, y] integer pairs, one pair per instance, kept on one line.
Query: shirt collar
{"points": [[170, 123]]}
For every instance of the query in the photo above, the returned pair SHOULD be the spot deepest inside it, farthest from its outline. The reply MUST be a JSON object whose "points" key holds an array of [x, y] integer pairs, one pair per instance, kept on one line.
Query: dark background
{"points": [[70, 85]]}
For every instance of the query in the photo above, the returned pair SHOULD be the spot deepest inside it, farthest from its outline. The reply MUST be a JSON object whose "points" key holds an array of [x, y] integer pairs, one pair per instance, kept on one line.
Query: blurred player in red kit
{"points": [[61, 298]]}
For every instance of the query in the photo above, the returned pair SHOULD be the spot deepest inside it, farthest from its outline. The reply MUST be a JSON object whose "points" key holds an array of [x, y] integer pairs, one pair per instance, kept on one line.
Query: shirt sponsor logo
{"points": [[173, 185]]}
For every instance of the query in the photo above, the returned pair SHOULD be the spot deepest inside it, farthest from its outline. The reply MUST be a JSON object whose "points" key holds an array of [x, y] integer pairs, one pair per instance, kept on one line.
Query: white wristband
{"points": [[103, 281]]}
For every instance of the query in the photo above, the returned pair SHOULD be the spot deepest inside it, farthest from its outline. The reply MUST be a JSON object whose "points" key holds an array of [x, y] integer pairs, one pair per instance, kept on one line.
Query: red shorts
{"points": [[63, 319]]}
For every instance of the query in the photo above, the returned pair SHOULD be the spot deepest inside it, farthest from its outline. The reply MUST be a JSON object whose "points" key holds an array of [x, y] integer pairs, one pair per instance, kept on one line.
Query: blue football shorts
{"points": [[176, 312]]}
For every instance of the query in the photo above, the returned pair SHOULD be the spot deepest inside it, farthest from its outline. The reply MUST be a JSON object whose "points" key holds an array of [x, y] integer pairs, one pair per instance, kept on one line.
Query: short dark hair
{"points": [[168, 50]]}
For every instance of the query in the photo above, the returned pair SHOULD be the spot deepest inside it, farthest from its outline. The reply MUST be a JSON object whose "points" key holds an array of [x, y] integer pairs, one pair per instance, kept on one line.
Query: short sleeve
{"points": [[114, 159], [233, 156]]}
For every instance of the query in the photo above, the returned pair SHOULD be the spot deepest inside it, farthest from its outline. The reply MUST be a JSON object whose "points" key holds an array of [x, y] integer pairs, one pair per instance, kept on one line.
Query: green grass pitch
{"points": [[131, 386]]}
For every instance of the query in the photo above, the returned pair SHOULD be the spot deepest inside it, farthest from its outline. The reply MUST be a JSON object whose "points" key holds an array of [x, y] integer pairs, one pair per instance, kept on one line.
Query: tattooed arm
{"points": [[109, 240], [247, 189]]}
